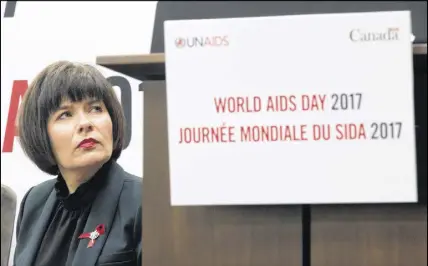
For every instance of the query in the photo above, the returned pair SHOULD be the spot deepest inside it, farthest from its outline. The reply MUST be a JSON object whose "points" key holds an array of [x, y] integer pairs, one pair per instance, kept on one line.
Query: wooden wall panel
{"points": [[369, 235]]}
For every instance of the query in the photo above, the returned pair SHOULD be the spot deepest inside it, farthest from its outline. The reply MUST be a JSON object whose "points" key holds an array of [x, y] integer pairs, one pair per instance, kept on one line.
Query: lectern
{"points": [[329, 235]]}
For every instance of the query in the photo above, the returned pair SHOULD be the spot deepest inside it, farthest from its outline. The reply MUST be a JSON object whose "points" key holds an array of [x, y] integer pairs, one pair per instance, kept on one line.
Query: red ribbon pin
{"points": [[99, 230]]}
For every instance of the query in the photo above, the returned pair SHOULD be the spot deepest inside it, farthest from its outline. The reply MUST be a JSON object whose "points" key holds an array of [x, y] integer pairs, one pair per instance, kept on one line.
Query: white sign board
{"points": [[291, 109]]}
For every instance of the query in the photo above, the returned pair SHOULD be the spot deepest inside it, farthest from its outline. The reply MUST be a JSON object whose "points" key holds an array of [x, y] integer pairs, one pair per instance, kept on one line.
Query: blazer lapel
{"points": [[29, 254], [102, 212]]}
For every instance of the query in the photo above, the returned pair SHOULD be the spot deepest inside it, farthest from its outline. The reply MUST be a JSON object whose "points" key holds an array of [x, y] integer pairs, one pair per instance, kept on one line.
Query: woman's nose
{"points": [[85, 124]]}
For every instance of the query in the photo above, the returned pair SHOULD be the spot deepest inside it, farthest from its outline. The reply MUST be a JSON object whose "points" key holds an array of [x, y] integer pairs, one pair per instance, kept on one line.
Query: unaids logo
{"points": [[202, 41], [180, 42]]}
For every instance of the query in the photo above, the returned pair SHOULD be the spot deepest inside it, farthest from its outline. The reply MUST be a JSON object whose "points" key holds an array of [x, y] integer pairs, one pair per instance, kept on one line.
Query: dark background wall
{"points": [[168, 10]]}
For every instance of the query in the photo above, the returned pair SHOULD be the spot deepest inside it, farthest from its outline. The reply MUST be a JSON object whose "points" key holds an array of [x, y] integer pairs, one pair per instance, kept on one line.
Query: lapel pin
{"points": [[99, 230]]}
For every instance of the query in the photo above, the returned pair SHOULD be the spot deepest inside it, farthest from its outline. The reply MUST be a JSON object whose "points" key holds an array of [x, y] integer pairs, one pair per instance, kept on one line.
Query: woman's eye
{"points": [[64, 115], [96, 109]]}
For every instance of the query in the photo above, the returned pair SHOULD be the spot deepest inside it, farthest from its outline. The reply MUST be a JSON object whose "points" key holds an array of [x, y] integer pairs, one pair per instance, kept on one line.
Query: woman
{"points": [[71, 125]]}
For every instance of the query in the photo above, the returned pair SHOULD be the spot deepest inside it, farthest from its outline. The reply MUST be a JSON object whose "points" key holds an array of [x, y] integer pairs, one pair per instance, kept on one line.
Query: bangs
{"points": [[73, 83]]}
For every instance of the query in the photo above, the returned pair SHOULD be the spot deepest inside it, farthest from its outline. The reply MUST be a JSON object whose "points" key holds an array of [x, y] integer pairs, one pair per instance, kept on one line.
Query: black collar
{"points": [[85, 193]]}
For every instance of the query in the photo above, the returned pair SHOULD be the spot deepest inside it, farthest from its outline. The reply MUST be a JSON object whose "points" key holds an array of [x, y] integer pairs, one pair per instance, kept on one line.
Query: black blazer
{"points": [[118, 205]]}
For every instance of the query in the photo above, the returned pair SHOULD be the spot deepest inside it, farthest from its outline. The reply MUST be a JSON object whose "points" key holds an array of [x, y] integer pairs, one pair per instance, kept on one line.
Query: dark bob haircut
{"points": [[60, 81]]}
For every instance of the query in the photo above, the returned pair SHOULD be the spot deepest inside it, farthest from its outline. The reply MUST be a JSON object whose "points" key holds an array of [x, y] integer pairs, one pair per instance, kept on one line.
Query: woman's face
{"points": [[81, 134]]}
